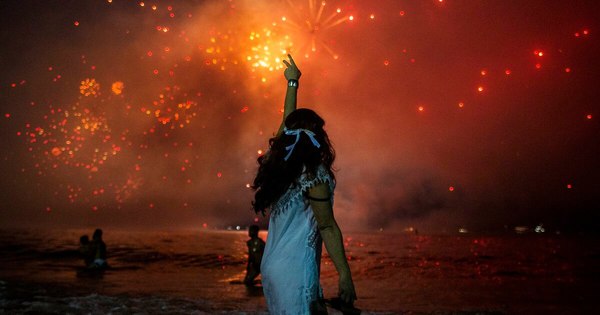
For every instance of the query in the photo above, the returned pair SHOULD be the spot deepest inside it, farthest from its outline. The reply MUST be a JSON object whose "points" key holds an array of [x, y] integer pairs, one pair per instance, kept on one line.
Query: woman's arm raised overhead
{"points": [[292, 75]]}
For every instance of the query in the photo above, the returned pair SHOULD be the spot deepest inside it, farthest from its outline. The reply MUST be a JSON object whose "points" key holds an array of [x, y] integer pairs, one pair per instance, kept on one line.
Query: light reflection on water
{"points": [[392, 272]]}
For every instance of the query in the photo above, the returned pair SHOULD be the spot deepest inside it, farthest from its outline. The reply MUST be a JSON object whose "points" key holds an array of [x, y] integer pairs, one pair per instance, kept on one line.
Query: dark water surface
{"points": [[190, 272]]}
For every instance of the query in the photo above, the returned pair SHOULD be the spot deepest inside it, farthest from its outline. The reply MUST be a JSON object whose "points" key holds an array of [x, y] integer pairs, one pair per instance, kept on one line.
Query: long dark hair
{"points": [[275, 174]]}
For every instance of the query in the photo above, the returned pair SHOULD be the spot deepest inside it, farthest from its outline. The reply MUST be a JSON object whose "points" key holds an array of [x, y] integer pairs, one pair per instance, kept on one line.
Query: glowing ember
{"points": [[117, 87], [89, 87]]}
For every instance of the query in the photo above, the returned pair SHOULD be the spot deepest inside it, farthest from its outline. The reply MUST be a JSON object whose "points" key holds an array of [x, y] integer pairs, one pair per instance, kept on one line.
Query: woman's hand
{"points": [[291, 71], [346, 290]]}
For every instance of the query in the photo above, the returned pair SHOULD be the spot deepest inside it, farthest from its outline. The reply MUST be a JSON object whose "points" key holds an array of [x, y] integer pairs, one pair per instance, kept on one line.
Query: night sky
{"points": [[444, 114]]}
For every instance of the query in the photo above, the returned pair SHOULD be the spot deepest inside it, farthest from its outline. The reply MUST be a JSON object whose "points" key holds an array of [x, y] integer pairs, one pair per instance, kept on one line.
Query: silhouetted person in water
{"points": [[99, 249], [85, 250], [256, 247]]}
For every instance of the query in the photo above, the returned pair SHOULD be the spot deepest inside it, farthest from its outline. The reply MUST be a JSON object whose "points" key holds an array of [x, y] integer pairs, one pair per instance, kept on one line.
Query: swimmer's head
{"points": [[253, 231]]}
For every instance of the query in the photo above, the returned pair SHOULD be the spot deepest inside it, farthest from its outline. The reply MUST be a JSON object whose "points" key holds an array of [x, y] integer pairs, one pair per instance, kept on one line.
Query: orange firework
{"points": [[267, 49], [117, 87], [170, 110], [311, 25], [89, 87]]}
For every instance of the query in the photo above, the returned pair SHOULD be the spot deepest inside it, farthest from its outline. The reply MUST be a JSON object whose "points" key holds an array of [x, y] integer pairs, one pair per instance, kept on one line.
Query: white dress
{"points": [[291, 261]]}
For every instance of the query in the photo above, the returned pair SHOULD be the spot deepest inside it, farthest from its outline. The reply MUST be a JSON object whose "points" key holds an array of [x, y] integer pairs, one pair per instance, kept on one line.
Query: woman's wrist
{"points": [[345, 274]]}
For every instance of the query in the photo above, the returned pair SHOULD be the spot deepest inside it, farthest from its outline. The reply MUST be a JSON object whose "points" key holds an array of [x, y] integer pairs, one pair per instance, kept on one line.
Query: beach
{"points": [[195, 272]]}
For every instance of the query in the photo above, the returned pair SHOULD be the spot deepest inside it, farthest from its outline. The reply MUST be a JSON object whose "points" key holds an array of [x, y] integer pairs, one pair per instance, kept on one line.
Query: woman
{"points": [[295, 181]]}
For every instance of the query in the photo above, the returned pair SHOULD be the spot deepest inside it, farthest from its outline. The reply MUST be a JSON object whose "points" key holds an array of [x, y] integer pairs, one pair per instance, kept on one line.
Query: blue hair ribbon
{"points": [[297, 132]]}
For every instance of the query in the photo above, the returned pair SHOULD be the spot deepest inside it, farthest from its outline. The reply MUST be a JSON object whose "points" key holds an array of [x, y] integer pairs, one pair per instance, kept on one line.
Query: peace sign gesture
{"points": [[291, 71]]}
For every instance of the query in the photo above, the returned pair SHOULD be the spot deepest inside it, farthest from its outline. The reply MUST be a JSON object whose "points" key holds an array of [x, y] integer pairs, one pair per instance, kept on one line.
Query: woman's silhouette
{"points": [[295, 181]]}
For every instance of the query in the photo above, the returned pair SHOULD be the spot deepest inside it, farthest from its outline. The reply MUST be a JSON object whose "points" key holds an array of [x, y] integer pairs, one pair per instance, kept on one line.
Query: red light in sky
{"points": [[480, 88], [461, 104], [569, 186], [219, 174], [451, 188], [76, 23], [402, 13], [567, 70], [589, 116], [507, 72], [421, 108], [538, 66]]}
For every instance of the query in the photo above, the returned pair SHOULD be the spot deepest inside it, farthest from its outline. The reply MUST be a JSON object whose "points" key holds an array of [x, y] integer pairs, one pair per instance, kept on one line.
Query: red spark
{"points": [[451, 188], [507, 72], [461, 104], [219, 174], [421, 108], [386, 62], [567, 70], [480, 88], [589, 116], [538, 66], [76, 23], [402, 13], [569, 186], [7, 115]]}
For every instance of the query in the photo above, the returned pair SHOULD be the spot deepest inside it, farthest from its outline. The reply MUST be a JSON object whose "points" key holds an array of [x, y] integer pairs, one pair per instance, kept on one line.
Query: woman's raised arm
{"points": [[292, 75]]}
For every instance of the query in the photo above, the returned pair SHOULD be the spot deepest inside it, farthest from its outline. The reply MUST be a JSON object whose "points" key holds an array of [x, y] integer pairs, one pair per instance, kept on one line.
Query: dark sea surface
{"points": [[190, 272]]}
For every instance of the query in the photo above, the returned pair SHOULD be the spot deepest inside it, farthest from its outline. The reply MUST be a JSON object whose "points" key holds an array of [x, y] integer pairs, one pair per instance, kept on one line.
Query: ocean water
{"points": [[191, 272]]}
